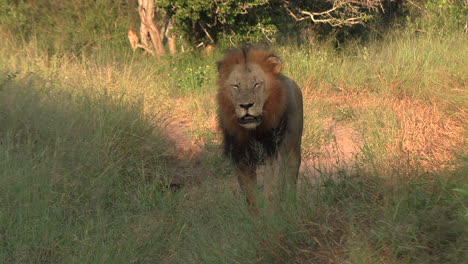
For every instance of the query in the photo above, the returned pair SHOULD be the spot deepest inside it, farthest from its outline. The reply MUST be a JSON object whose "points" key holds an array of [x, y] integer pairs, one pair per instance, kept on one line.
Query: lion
{"points": [[260, 113]]}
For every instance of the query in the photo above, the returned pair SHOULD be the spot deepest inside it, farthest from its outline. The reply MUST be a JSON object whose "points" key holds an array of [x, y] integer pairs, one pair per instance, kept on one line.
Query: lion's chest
{"points": [[256, 147]]}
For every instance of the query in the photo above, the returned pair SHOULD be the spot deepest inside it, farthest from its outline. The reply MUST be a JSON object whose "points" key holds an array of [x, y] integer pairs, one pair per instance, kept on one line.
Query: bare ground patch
{"points": [[420, 134], [187, 159], [340, 154], [424, 136]]}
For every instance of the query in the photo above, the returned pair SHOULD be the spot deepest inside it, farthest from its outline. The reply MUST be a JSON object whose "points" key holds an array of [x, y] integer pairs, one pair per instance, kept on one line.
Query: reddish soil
{"points": [[188, 156], [340, 154]]}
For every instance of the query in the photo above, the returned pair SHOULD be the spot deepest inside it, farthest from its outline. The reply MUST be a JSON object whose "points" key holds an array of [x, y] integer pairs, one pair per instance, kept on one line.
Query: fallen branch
{"points": [[343, 13], [206, 32]]}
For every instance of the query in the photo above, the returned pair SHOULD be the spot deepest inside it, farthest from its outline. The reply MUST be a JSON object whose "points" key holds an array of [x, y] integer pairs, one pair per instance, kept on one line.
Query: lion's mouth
{"points": [[247, 119]]}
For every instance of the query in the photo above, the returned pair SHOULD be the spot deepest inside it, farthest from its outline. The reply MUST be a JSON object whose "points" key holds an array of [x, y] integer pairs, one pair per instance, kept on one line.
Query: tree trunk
{"points": [[171, 38], [148, 31], [172, 45]]}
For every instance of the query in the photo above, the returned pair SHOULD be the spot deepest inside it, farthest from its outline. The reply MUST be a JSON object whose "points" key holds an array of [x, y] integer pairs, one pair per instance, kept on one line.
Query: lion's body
{"points": [[261, 116]]}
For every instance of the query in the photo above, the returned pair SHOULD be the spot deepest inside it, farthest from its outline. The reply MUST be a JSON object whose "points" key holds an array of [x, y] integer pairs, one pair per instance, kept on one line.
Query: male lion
{"points": [[261, 116]]}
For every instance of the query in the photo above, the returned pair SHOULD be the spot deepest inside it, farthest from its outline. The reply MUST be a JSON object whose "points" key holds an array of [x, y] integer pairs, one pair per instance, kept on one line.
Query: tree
{"points": [[204, 22], [337, 13], [210, 22], [150, 36]]}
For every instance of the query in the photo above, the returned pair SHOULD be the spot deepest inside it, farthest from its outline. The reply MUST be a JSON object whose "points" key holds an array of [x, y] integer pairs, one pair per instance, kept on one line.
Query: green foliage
{"points": [[83, 163], [195, 77], [437, 17], [82, 25], [208, 21], [448, 15], [230, 23]]}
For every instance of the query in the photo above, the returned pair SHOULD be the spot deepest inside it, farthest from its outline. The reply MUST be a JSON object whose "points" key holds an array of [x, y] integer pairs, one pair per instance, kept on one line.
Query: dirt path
{"points": [[187, 163], [340, 154]]}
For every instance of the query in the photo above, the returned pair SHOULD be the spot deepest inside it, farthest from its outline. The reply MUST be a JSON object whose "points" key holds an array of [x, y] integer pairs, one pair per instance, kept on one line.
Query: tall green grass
{"points": [[83, 179], [74, 167], [84, 167], [80, 26], [421, 66]]}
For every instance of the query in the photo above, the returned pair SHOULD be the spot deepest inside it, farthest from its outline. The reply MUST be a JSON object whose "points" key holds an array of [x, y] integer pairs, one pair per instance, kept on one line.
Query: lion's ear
{"points": [[275, 64]]}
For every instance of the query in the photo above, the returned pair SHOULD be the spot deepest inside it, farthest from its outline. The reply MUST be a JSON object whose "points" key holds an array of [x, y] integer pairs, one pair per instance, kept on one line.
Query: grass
{"points": [[71, 166], [85, 160]]}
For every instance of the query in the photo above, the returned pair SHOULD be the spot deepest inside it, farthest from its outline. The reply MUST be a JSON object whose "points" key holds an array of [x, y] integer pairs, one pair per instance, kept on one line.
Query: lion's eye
{"points": [[235, 86], [257, 85]]}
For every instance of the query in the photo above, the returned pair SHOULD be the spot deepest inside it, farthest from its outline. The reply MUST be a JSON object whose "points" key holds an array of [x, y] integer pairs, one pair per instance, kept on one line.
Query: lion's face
{"points": [[248, 89], [250, 94]]}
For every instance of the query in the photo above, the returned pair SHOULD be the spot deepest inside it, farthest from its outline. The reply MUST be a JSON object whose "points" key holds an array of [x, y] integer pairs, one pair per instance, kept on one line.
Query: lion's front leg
{"points": [[281, 173], [271, 178], [293, 165], [247, 178]]}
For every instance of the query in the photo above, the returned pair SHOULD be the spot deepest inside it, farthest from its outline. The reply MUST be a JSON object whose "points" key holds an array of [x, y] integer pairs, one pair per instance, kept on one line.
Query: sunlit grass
{"points": [[84, 158]]}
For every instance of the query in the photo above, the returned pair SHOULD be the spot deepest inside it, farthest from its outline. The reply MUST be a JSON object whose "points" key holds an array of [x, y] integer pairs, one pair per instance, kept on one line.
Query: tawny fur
{"points": [[275, 104], [251, 76]]}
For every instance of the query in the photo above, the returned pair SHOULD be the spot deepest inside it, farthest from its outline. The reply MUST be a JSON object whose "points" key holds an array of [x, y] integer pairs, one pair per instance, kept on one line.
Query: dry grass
{"points": [[420, 133], [427, 135], [394, 122]]}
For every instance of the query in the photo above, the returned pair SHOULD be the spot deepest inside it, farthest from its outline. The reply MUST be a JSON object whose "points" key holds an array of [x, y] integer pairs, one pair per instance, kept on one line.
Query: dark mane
{"points": [[255, 148], [240, 144]]}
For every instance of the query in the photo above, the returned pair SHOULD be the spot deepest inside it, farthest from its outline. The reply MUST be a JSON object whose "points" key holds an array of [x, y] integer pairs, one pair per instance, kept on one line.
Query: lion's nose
{"points": [[246, 106]]}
